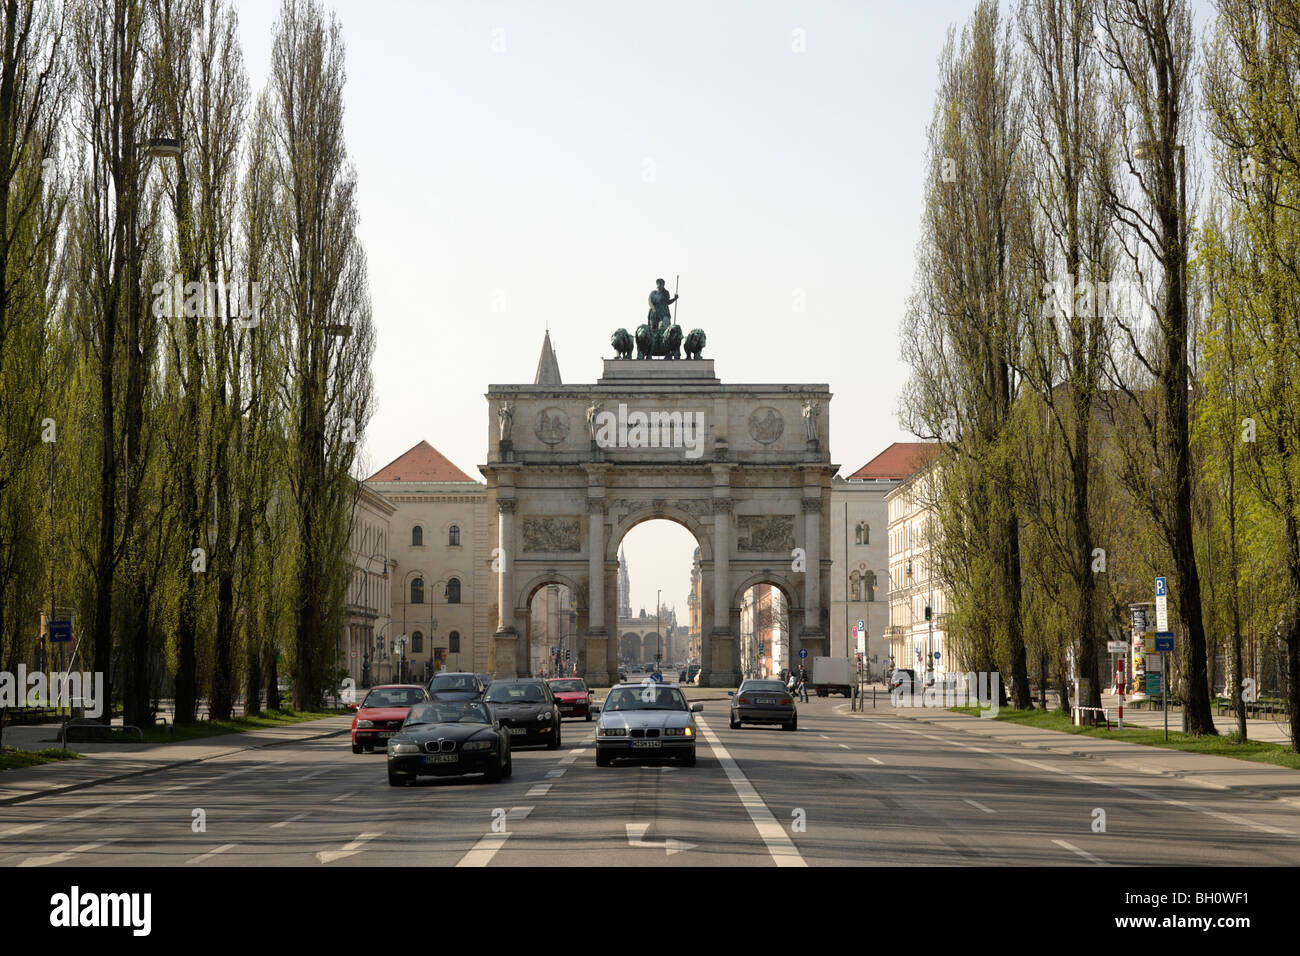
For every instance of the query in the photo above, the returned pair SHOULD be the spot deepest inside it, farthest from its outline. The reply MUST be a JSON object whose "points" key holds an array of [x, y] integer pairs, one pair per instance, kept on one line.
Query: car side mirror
{"points": [[731, 693], [697, 708], [354, 706]]}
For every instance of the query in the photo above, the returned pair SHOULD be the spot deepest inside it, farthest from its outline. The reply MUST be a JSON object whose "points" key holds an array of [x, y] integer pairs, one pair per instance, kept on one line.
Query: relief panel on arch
{"points": [[551, 534], [767, 534]]}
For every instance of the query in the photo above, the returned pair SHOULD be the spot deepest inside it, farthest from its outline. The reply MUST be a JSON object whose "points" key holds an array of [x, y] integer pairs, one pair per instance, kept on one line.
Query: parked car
{"points": [[641, 721], [572, 696], [526, 710], [763, 702], [454, 685], [449, 738], [381, 714]]}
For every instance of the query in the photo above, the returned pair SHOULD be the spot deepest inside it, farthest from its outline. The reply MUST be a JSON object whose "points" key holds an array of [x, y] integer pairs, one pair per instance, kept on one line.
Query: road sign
{"points": [[1164, 642], [1156, 664], [803, 652], [862, 626], [1117, 647], [1153, 684], [1162, 605], [936, 655], [1149, 644], [657, 677], [760, 648], [60, 631]]}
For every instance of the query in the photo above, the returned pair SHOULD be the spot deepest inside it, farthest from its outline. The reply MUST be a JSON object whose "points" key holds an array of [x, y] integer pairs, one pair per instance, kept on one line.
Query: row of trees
{"points": [[185, 344], [1113, 377]]}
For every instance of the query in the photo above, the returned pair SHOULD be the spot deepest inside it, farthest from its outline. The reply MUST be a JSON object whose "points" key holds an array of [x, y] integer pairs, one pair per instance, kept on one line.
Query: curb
{"points": [[171, 765], [1169, 774]]}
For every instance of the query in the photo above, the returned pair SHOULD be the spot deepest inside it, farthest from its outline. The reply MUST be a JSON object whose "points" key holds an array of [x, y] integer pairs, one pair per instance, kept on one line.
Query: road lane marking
{"points": [[845, 746], [979, 806], [555, 774], [539, 791], [66, 854], [204, 856], [1083, 853], [285, 823], [823, 737], [351, 849], [779, 845], [918, 779], [14, 831], [874, 760], [344, 796], [486, 848], [636, 837], [1103, 783]]}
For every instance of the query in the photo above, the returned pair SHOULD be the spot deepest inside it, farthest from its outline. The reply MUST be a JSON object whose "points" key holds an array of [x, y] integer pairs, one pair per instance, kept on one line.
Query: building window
{"points": [[417, 643], [417, 537], [453, 642], [870, 580], [417, 591], [453, 536], [863, 533], [453, 591], [855, 587]]}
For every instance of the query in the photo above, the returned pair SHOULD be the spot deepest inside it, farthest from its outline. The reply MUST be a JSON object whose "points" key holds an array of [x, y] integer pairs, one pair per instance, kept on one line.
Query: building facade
{"points": [[918, 602]]}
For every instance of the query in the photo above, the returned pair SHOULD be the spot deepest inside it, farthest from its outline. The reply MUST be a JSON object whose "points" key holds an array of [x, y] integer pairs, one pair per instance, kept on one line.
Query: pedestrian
{"points": [[803, 684]]}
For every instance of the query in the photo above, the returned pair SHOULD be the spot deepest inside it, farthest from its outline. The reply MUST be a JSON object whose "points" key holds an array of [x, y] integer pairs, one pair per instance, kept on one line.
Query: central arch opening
{"points": [[658, 626]]}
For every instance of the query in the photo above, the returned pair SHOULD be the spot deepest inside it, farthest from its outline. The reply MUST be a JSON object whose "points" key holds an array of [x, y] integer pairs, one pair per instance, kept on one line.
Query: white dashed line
{"points": [[204, 856], [488, 845], [285, 823], [845, 746], [1083, 853], [555, 774], [66, 854], [874, 760], [329, 856], [539, 791], [344, 796], [917, 779], [979, 806]]}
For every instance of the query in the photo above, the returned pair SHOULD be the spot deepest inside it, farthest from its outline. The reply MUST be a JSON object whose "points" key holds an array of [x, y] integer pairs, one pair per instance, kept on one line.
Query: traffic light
{"points": [[927, 612]]}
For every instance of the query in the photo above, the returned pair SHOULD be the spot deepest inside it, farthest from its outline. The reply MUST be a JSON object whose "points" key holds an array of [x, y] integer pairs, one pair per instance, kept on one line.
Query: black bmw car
{"points": [[526, 710], [446, 739]]}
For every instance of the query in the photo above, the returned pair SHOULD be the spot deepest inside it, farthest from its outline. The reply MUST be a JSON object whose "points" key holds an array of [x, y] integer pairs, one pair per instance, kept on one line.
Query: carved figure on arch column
{"points": [[811, 410], [505, 419]]}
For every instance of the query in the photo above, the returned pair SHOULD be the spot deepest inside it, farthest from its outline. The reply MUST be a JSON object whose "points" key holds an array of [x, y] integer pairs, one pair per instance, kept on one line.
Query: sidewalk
{"points": [[104, 763], [1205, 770], [1268, 731]]}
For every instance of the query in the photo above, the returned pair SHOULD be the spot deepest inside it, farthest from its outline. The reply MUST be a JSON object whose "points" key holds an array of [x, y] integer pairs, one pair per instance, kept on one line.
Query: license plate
{"points": [[766, 700], [647, 744], [442, 758], [517, 730], [385, 734]]}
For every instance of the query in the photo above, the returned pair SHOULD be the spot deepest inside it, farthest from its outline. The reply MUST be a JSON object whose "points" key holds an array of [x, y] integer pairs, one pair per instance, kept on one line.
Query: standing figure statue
{"points": [[505, 418], [810, 412], [593, 410], [660, 300]]}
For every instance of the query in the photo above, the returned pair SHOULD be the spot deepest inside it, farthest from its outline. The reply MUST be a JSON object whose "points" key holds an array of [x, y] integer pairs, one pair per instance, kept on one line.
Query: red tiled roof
{"points": [[421, 463], [900, 460]]}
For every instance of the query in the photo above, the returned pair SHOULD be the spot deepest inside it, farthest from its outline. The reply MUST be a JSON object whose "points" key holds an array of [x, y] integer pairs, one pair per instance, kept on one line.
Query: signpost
{"points": [[1162, 605], [60, 631], [803, 652], [1164, 644]]}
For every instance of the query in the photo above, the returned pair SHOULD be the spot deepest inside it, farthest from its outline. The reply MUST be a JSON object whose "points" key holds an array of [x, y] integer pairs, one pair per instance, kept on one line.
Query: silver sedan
{"points": [[640, 721]]}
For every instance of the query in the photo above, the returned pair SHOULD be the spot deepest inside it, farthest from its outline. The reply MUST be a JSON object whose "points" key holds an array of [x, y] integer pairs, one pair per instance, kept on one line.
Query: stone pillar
{"points": [[812, 601], [717, 649], [597, 657], [506, 638]]}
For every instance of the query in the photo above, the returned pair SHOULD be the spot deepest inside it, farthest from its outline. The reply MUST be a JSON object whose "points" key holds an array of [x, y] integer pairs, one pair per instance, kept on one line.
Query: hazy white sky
{"points": [[525, 164]]}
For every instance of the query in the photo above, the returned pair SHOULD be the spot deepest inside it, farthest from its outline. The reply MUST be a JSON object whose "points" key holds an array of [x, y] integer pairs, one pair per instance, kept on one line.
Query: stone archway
{"points": [[575, 467], [524, 608]]}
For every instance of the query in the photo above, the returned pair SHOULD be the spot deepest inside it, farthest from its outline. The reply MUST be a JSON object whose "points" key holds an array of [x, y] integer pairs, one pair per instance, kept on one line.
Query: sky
{"points": [[525, 166]]}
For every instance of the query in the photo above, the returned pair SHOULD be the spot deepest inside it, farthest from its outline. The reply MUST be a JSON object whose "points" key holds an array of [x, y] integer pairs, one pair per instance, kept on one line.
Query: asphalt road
{"points": [[876, 789]]}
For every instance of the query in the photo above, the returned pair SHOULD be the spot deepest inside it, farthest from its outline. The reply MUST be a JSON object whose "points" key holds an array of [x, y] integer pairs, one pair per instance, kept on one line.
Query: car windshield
{"points": [[394, 697], [568, 686], [515, 694], [759, 686], [448, 712], [453, 682], [646, 697]]}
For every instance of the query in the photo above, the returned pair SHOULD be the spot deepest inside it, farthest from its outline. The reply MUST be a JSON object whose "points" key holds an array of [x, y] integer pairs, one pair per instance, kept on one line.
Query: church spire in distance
{"points": [[548, 369]]}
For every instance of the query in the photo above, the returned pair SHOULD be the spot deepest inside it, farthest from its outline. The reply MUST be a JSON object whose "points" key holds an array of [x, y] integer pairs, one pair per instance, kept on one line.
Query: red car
{"points": [[381, 714], [571, 696]]}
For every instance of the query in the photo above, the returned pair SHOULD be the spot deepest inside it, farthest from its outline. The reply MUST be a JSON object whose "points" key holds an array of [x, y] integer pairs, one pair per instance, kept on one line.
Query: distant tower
{"points": [[548, 369], [624, 587]]}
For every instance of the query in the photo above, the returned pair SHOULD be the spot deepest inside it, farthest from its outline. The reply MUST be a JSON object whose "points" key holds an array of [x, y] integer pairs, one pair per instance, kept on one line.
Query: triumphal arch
{"points": [[572, 468]]}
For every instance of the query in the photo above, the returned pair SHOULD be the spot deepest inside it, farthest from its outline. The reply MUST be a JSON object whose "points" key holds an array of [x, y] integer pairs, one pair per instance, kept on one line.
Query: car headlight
{"points": [[678, 731], [613, 731], [477, 745], [365, 723], [543, 716], [394, 747]]}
